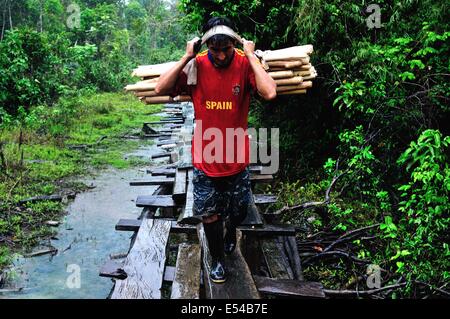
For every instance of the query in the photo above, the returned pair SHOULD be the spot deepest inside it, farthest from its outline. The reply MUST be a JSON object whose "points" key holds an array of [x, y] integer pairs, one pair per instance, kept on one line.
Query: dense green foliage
{"points": [[54, 48], [377, 120]]}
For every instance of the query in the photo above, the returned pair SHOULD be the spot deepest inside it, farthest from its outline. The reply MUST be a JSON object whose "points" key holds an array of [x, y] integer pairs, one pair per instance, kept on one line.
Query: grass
{"points": [[76, 136]]}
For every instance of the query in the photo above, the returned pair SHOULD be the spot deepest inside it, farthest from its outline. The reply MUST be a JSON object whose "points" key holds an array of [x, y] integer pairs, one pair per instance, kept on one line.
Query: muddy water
{"points": [[85, 240]]}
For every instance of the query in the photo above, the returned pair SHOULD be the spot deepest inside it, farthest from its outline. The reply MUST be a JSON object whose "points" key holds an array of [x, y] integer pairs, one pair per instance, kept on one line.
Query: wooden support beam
{"points": [[265, 231], [186, 284], [154, 181], [169, 172], [145, 262]]}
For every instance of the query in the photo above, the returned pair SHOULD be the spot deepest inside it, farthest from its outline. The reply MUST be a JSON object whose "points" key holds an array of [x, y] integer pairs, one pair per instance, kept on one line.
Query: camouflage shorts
{"points": [[228, 196]]}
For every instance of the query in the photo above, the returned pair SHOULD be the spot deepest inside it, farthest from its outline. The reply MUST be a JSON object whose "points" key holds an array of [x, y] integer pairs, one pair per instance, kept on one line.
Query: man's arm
{"points": [[265, 85], [167, 80]]}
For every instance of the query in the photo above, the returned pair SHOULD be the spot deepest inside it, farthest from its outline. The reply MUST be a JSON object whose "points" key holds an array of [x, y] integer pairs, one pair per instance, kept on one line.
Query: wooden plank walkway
{"points": [[143, 271], [144, 264]]}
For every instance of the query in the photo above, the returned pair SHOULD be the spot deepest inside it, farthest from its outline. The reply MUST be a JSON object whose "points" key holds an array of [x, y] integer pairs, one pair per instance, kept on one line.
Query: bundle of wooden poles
{"points": [[290, 68]]}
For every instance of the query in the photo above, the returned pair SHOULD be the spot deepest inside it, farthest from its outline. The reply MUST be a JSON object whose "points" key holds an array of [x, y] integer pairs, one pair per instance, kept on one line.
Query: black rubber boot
{"points": [[214, 235], [230, 238], [231, 224]]}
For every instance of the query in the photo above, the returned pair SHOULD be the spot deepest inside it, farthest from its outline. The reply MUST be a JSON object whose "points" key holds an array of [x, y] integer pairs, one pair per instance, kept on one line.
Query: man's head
{"points": [[220, 46]]}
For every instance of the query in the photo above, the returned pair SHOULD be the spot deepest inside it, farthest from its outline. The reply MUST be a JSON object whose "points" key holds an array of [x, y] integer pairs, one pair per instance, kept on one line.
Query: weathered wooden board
{"points": [[179, 187], [289, 287], [276, 261], [155, 201], [239, 284], [187, 213], [186, 284], [145, 262]]}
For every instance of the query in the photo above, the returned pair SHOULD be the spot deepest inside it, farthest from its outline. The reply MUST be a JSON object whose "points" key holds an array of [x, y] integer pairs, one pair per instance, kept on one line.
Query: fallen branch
{"points": [[361, 292], [41, 198], [347, 236], [335, 253]]}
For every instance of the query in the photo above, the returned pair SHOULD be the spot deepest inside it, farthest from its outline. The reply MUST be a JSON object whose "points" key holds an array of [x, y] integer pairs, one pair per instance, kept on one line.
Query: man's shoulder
{"points": [[239, 52], [202, 56]]}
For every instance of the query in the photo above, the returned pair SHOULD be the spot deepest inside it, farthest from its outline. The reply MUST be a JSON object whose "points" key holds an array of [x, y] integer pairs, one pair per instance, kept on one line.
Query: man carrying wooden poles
{"points": [[219, 81]]}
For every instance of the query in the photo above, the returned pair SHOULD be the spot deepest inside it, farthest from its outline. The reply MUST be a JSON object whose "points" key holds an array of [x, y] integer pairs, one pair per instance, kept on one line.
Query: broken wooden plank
{"points": [[239, 283], [144, 264], [155, 201], [154, 181], [179, 187], [289, 287], [186, 284]]}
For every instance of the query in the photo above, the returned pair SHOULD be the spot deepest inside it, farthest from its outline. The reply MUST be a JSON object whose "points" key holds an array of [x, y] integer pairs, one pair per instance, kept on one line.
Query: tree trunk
{"points": [[40, 15], [3, 20], [10, 18]]}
